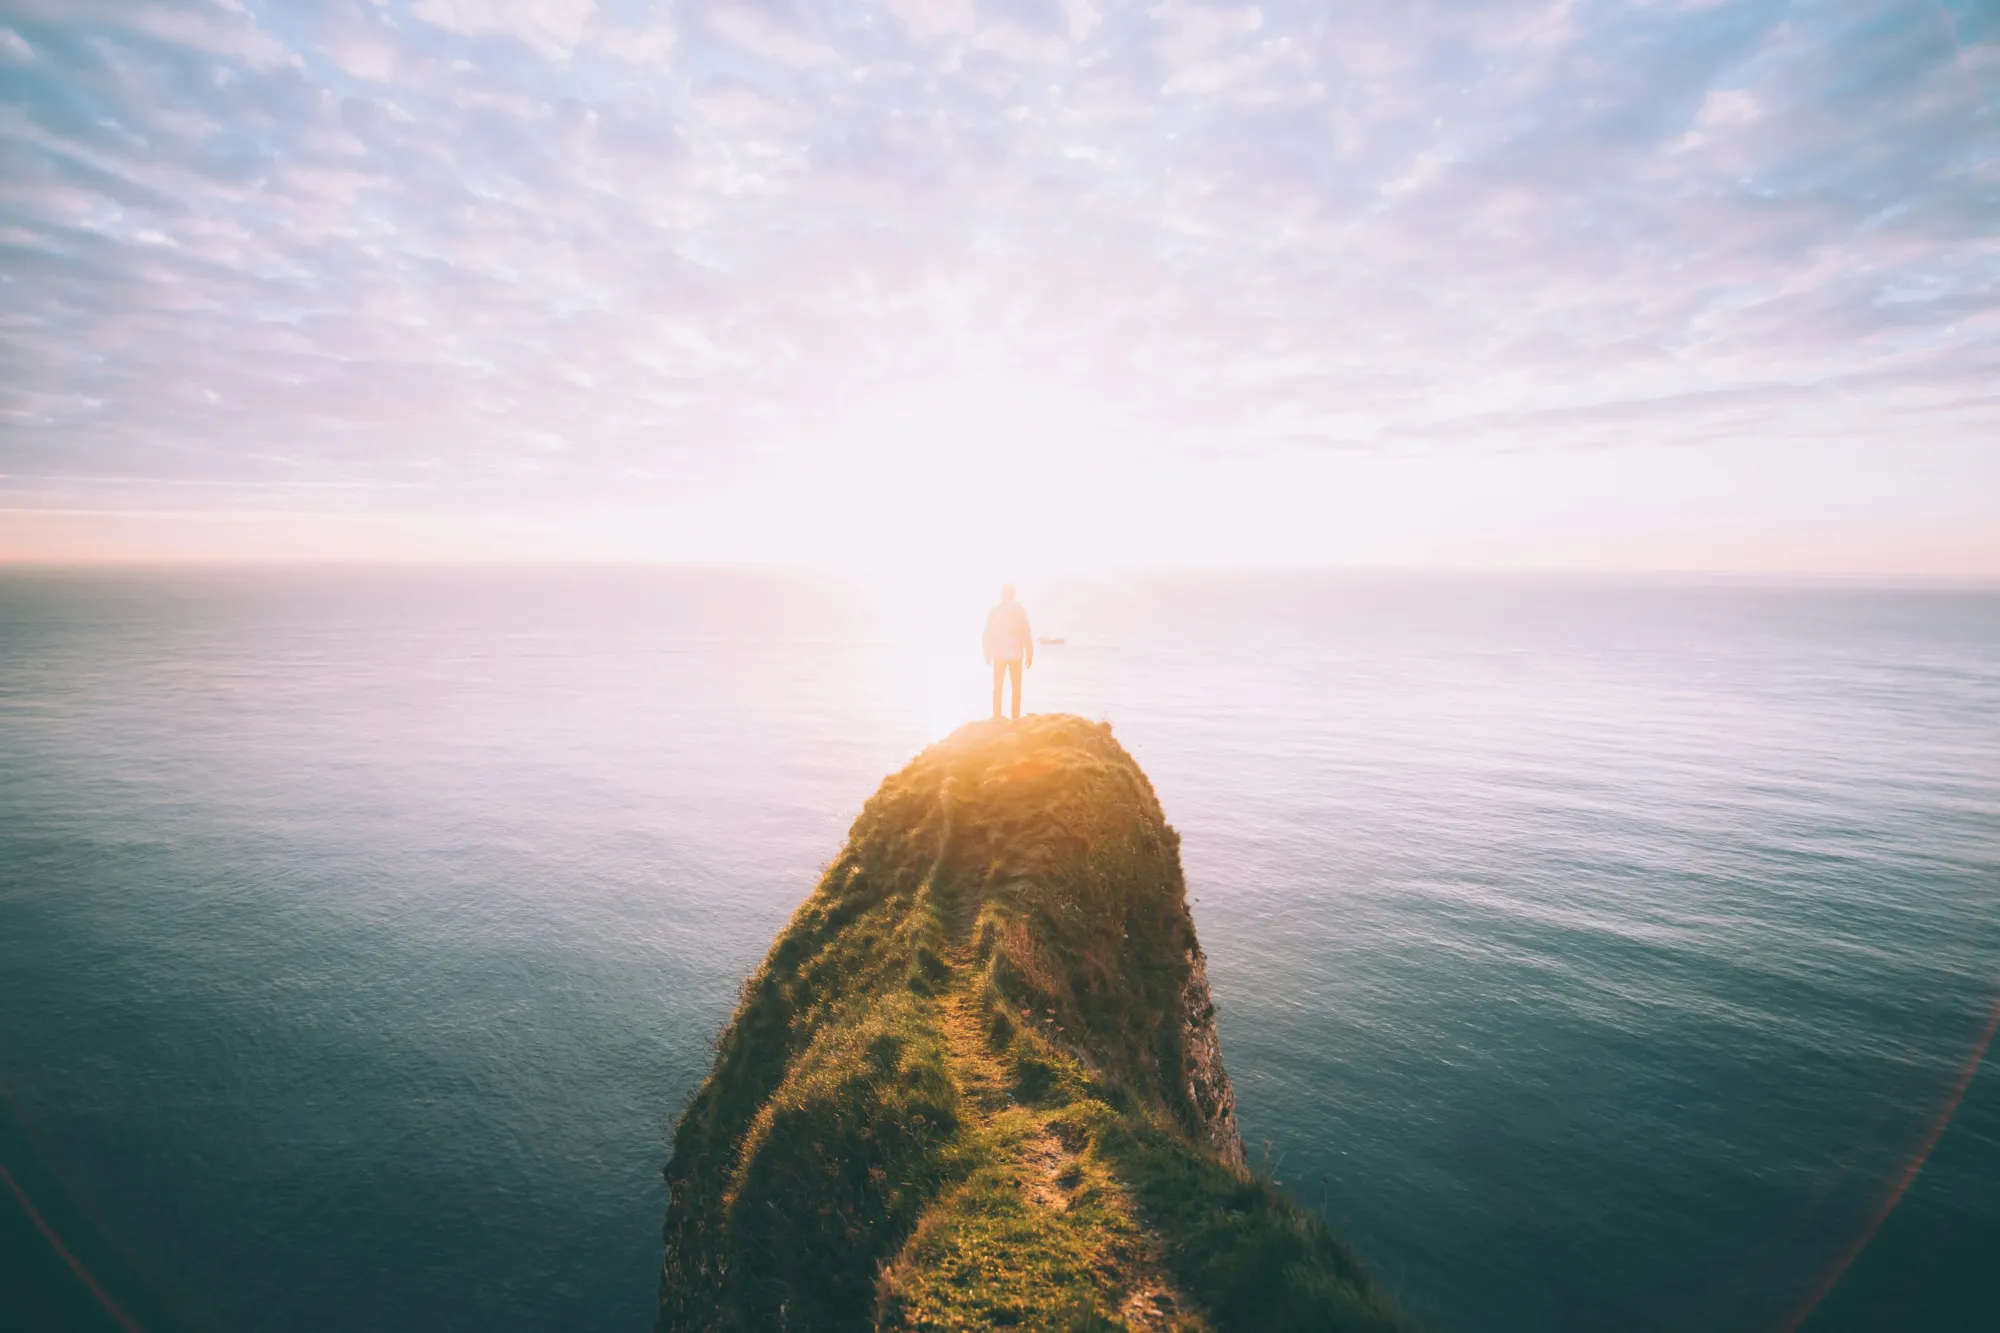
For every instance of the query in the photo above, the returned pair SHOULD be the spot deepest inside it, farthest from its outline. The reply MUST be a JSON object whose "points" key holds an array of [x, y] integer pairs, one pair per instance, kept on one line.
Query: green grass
{"points": [[966, 1090]]}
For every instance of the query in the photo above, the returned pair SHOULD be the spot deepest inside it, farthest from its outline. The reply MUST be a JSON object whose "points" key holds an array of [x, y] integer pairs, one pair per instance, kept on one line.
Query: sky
{"points": [[1033, 284]]}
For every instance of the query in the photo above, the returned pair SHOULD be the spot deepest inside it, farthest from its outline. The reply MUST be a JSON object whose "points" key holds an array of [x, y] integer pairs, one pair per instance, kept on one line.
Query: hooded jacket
{"points": [[1007, 634]]}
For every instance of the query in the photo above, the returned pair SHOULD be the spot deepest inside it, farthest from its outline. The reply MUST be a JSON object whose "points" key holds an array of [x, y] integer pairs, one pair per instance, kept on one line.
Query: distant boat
{"points": [[1048, 639]]}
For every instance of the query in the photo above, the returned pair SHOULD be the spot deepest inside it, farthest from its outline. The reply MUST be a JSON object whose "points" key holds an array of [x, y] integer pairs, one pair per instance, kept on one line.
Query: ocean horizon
{"points": [[1592, 952]]}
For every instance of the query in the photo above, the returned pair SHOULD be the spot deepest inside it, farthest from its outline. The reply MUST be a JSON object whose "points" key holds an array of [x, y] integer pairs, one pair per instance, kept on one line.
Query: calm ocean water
{"points": [[1597, 957]]}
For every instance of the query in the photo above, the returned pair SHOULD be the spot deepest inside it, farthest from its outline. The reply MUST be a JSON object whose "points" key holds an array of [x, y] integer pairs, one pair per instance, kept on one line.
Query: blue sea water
{"points": [[1596, 956]]}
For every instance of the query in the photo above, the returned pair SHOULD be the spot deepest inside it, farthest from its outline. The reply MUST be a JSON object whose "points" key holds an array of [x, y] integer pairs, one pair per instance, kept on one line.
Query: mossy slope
{"points": [[976, 1085]]}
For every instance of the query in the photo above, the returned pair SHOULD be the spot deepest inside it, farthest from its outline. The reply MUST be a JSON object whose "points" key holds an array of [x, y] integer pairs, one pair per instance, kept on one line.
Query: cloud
{"points": [[216, 28], [521, 253], [552, 27], [352, 34], [653, 44], [767, 34], [934, 18]]}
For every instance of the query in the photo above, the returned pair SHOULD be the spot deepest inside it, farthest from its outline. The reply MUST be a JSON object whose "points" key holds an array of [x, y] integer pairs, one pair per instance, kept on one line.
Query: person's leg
{"points": [[999, 673], [1014, 670]]}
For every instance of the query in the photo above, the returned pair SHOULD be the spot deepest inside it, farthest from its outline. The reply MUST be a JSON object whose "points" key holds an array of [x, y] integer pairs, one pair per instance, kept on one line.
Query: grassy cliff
{"points": [[976, 1082]]}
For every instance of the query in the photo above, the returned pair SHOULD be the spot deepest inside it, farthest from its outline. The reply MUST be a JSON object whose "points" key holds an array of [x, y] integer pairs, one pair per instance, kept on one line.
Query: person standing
{"points": [[1010, 646]]}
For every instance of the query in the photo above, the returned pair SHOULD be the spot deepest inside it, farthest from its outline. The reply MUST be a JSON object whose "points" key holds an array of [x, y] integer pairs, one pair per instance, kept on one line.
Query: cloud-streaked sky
{"points": [[1688, 285]]}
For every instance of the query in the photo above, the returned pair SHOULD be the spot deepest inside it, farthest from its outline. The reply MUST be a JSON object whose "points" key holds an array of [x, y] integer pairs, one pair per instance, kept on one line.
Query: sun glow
{"points": [[933, 619], [939, 488], [947, 502]]}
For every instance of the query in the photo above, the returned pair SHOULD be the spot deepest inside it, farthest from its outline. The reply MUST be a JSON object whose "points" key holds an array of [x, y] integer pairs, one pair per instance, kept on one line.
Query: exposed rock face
{"points": [[977, 1082], [1208, 1085]]}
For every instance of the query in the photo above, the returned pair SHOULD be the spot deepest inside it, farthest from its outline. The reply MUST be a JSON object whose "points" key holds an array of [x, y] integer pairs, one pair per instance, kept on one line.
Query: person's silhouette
{"points": [[1010, 645]]}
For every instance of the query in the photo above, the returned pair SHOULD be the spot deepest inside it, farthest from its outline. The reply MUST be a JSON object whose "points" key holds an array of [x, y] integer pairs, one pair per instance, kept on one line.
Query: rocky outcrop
{"points": [[977, 1082], [1208, 1085]]}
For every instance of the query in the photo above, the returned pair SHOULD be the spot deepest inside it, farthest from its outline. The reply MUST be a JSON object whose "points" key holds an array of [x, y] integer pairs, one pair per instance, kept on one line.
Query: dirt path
{"points": [[1051, 1173], [984, 1083]]}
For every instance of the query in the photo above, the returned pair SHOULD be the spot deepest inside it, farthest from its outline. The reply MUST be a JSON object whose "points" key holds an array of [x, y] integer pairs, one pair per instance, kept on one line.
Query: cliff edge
{"points": [[976, 1083]]}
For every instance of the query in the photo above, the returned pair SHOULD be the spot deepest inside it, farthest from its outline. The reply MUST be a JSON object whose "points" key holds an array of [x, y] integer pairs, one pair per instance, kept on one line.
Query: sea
{"points": [[1592, 954]]}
